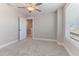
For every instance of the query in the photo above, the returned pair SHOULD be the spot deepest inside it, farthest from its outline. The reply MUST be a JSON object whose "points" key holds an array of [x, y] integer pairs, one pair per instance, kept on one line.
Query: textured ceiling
{"points": [[45, 7]]}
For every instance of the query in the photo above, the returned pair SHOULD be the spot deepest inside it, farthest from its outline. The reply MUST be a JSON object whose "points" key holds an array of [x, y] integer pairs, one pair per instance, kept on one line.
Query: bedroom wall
{"points": [[8, 24], [60, 25], [45, 26], [71, 13]]}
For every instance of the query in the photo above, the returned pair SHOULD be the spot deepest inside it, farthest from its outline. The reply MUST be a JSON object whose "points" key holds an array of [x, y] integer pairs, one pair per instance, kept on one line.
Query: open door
{"points": [[29, 28], [22, 28]]}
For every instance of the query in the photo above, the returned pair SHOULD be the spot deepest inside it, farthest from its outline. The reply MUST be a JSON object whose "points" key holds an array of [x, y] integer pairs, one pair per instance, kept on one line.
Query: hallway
{"points": [[34, 48]]}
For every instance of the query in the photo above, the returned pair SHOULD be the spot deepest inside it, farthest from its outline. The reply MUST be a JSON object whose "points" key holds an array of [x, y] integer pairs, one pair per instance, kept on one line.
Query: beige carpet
{"points": [[34, 48]]}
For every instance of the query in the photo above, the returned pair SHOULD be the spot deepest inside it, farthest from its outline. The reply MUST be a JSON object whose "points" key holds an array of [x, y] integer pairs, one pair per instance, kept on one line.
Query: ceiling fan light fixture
{"points": [[30, 8]]}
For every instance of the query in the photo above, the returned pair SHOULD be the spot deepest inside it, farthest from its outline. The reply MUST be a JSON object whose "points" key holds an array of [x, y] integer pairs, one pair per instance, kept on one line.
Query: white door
{"points": [[22, 28]]}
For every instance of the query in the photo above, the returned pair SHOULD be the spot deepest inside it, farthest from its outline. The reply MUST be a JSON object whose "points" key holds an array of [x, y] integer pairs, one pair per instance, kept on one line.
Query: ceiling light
{"points": [[30, 8]]}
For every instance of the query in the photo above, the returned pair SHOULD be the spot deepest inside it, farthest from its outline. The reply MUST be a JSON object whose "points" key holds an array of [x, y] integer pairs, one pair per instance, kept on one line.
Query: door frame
{"points": [[18, 28]]}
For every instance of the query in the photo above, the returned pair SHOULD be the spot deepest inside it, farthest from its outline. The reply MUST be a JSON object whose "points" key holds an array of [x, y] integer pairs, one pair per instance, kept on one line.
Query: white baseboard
{"points": [[70, 53], [4, 45], [23, 39], [65, 48], [44, 39], [60, 43], [57, 43]]}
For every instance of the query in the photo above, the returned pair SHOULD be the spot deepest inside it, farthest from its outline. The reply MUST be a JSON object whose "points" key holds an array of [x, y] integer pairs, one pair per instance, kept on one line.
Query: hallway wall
{"points": [[8, 24]]}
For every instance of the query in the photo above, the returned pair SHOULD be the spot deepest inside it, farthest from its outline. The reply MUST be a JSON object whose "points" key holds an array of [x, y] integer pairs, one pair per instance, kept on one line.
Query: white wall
{"points": [[44, 26], [59, 25], [71, 13], [23, 28], [8, 24]]}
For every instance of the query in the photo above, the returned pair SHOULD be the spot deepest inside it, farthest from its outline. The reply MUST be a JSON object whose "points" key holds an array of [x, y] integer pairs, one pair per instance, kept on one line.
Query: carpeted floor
{"points": [[34, 48]]}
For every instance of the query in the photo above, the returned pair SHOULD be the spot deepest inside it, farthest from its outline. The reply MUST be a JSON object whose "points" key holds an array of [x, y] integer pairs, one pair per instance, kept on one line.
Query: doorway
{"points": [[29, 28]]}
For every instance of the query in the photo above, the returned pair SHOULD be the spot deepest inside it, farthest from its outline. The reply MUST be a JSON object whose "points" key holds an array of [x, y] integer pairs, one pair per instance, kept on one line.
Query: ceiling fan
{"points": [[32, 6]]}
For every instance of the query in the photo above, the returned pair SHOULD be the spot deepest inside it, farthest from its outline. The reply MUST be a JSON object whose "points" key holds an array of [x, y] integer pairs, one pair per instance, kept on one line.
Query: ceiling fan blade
{"points": [[9, 4], [38, 10], [21, 7], [38, 4]]}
